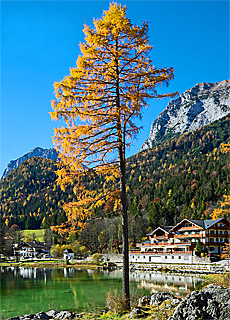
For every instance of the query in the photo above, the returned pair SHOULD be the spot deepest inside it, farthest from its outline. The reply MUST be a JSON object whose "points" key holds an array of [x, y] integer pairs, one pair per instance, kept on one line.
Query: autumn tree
{"points": [[2, 237], [223, 210], [99, 101]]}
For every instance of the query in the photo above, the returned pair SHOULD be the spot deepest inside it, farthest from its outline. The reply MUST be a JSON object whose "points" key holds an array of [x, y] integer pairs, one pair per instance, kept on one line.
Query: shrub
{"points": [[97, 258], [115, 303]]}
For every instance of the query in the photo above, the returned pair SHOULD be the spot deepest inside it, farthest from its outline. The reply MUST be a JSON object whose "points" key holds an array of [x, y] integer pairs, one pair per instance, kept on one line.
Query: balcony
{"points": [[159, 237], [196, 235], [190, 228]]}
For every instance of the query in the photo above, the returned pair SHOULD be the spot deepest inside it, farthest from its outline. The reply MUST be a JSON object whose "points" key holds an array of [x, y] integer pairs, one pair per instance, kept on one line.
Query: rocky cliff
{"points": [[37, 152], [196, 107]]}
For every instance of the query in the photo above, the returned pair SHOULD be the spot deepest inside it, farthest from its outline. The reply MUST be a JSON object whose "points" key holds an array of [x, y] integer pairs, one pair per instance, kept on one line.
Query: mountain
{"points": [[37, 152], [196, 107], [30, 196], [184, 177]]}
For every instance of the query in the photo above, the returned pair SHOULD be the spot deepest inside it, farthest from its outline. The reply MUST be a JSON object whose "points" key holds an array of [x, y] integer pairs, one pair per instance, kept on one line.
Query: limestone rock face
{"points": [[212, 303], [37, 152], [196, 107]]}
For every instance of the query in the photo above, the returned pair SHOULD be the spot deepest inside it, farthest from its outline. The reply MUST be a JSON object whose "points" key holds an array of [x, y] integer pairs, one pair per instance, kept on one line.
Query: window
{"points": [[166, 257], [212, 248], [172, 257], [179, 257], [144, 257]]}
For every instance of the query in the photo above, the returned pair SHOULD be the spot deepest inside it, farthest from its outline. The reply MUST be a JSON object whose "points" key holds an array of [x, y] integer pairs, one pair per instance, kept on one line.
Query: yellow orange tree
{"points": [[224, 209], [99, 101]]}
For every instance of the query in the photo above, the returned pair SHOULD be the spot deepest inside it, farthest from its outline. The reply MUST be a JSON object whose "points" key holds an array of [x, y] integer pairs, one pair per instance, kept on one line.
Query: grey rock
{"points": [[196, 107], [212, 303], [175, 301], [64, 315], [52, 313], [37, 152], [134, 312], [42, 316], [144, 301], [27, 317], [158, 298]]}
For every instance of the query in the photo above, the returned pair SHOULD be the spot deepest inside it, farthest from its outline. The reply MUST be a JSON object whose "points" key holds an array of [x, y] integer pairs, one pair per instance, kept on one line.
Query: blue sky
{"points": [[40, 42]]}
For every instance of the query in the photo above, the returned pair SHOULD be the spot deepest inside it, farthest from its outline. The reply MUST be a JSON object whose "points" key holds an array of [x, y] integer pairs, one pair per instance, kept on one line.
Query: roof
{"points": [[35, 245], [204, 224], [165, 229], [68, 251]]}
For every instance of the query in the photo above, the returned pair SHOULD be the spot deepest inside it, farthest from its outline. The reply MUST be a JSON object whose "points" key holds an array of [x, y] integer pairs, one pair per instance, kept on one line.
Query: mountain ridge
{"points": [[36, 152], [182, 178], [202, 104]]}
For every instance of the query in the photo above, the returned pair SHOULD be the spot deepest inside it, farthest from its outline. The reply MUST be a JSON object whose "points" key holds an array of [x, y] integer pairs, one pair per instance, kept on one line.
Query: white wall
{"points": [[170, 258]]}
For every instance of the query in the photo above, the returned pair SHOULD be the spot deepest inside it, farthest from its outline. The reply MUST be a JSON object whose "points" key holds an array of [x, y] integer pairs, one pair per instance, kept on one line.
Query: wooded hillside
{"points": [[184, 177]]}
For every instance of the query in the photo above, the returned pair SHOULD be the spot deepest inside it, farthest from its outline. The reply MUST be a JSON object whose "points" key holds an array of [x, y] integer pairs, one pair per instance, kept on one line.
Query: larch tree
{"points": [[99, 101], [224, 208]]}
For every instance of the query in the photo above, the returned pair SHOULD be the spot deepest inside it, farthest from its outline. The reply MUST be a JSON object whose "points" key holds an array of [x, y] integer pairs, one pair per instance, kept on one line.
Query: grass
{"points": [[47, 263], [39, 234], [161, 312], [219, 279]]}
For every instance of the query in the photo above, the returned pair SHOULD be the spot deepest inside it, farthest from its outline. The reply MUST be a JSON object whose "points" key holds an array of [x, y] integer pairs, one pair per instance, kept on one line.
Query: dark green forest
{"points": [[182, 177]]}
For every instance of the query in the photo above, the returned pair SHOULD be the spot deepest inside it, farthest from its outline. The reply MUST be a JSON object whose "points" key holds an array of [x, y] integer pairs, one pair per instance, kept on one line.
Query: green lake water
{"points": [[31, 290]]}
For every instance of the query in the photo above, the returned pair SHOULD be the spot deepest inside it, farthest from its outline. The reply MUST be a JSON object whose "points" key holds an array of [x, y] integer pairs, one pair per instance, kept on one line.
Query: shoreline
{"points": [[185, 269]]}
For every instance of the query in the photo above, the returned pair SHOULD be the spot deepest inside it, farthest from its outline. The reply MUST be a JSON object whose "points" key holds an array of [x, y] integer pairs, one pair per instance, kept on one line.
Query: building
{"points": [[176, 244], [31, 249], [68, 254]]}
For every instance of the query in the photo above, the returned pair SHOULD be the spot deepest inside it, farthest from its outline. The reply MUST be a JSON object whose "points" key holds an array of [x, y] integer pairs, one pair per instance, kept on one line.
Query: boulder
{"points": [[159, 297], [41, 316], [64, 315], [144, 301], [27, 317], [52, 313], [134, 312], [212, 303]]}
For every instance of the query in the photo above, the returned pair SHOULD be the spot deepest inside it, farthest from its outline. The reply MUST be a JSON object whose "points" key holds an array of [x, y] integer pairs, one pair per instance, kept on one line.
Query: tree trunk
{"points": [[122, 169], [125, 245]]}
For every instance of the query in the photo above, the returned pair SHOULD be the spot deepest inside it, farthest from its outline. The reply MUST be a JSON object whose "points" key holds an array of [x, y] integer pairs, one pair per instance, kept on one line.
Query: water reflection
{"points": [[76, 289], [179, 284]]}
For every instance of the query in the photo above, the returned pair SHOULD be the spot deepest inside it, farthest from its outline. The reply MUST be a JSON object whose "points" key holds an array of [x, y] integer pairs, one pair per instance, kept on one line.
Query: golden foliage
{"points": [[225, 147], [223, 211], [113, 79]]}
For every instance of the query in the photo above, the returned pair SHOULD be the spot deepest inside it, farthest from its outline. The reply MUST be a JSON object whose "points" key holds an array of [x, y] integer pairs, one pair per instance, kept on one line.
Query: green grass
{"points": [[39, 234]]}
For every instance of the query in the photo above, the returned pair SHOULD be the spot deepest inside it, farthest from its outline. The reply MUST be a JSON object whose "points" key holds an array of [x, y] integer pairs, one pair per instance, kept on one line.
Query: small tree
{"points": [[223, 211], [199, 247], [98, 101], [97, 258], [2, 237]]}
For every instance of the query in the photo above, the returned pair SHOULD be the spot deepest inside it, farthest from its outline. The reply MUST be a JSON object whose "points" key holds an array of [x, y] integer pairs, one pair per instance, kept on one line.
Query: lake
{"points": [[31, 290]]}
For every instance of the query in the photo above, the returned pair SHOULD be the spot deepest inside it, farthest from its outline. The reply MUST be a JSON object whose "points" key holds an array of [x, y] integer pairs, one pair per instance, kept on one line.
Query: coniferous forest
{"points": [[183, 177]]}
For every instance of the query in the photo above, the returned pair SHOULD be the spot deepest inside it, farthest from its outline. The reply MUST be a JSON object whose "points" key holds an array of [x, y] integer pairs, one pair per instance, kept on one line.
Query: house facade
{"points": [[68, 254], [31, 249], [176, 244]]}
